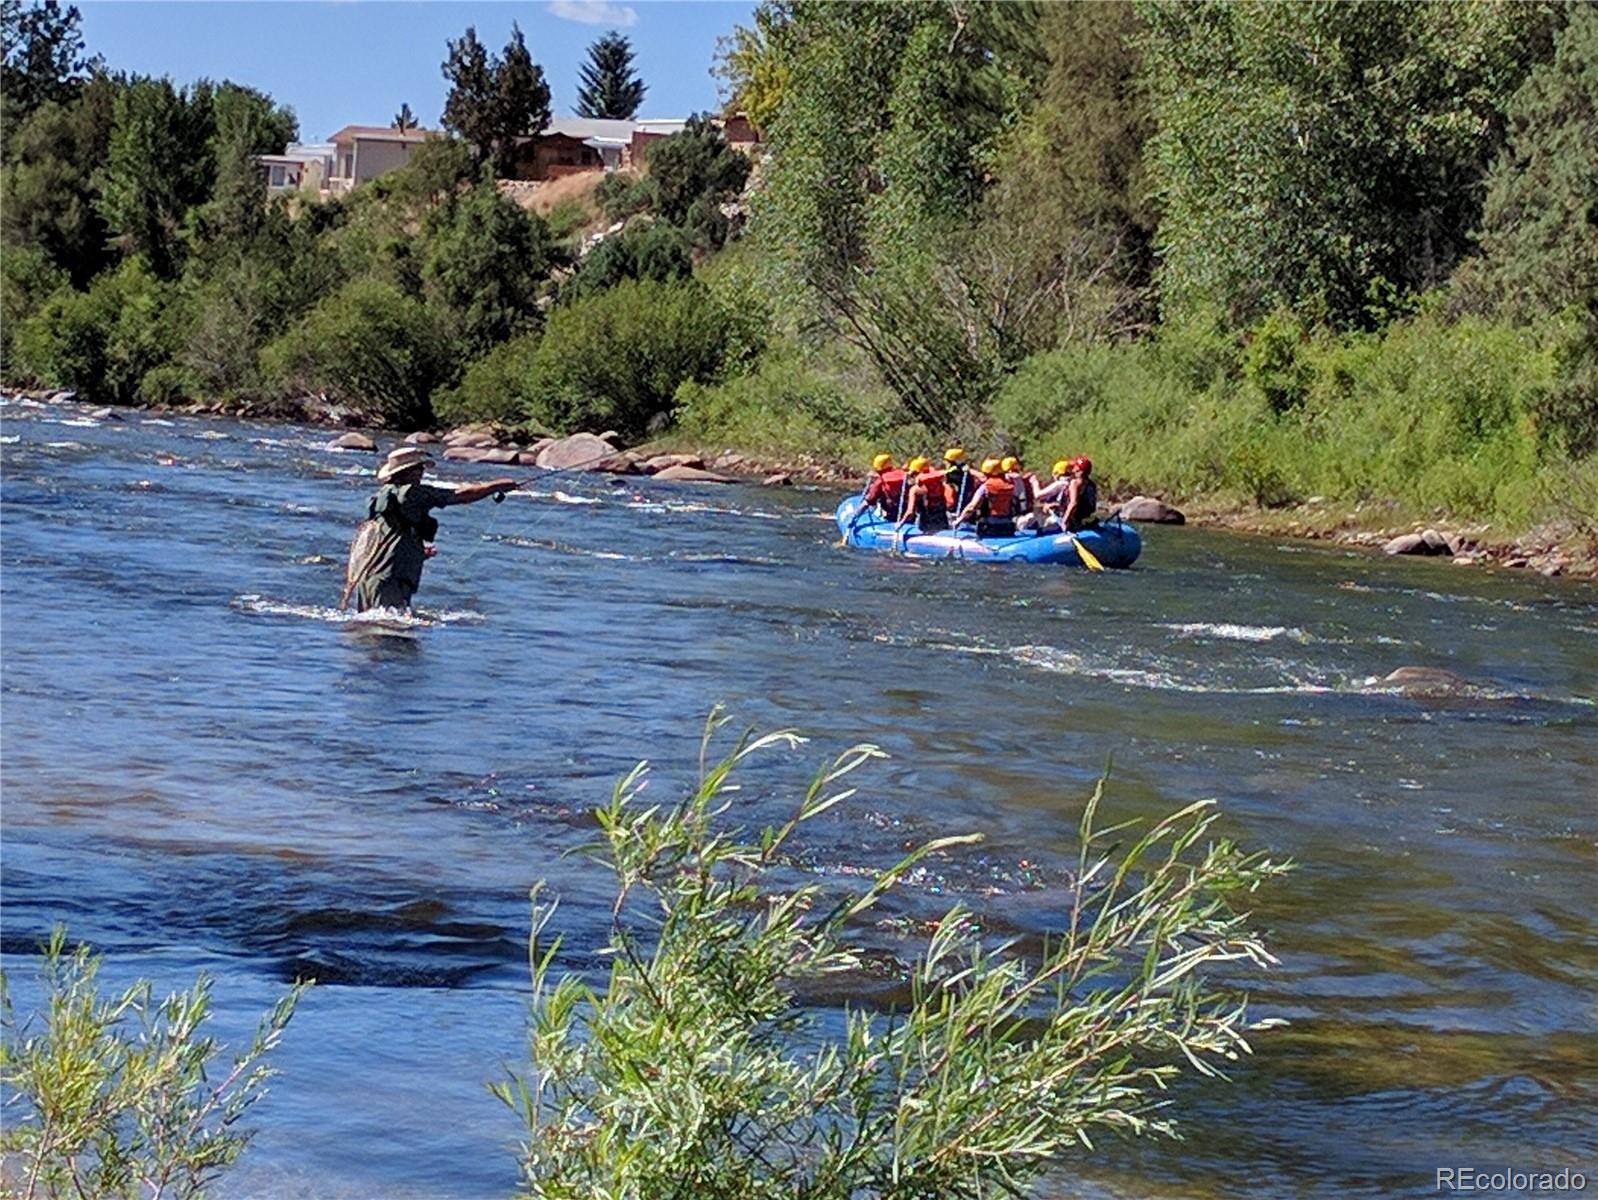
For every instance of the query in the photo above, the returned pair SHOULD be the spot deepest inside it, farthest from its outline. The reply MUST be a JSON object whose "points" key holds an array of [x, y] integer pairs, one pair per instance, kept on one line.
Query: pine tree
{"points": [[494, 101], [610, 89], [405, 118]]}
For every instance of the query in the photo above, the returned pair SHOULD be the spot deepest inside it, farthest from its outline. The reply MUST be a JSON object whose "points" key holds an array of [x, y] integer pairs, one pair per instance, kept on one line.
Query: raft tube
{"points": [[1114, 543]]}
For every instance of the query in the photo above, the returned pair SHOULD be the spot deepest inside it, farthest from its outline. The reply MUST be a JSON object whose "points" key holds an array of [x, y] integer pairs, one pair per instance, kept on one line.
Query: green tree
{"points": [[494, 101], [368, 345], [1539, 235], [609, 88], [244, 123], [49, 181], [43, 57], [890, 123], [151, 176], [1325, 157], [485, 263], [405, 118]]}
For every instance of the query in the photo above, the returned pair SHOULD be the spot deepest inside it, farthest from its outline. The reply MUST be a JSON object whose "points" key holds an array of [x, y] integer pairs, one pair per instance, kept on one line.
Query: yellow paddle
{"points": [[1089, 559]]}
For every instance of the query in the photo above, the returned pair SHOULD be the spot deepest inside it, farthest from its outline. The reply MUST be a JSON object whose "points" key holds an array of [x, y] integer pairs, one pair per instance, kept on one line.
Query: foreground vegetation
{"points": [[120, 1095], [694, 1063], [1245, 252]]}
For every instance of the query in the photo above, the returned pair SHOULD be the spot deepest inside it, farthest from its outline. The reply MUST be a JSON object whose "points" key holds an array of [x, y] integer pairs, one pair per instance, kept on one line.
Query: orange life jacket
{"points": [[1000, 496], [935, 494], [892, 488]]}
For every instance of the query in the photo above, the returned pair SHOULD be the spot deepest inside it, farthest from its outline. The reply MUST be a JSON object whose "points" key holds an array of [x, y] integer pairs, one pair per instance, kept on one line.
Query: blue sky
{"points": [[352, 62]]}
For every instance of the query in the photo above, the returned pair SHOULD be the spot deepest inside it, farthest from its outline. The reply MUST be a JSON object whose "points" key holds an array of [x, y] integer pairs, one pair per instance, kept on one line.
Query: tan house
{"points": [[306, 167], [572, 145], [363, 152]]}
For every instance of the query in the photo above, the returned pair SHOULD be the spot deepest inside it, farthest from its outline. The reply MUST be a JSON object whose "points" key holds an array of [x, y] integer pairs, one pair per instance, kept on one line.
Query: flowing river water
{"points": [[206, 768]]}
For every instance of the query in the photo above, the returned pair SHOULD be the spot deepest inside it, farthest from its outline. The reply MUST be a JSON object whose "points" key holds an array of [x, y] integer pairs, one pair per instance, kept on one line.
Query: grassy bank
{"points": [[1454, 423]]}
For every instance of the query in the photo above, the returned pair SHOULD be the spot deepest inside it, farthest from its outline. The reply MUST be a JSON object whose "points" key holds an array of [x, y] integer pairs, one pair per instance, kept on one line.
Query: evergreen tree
{"points": [[405, 118], [43, 57], [610, 90], [494, 101]]}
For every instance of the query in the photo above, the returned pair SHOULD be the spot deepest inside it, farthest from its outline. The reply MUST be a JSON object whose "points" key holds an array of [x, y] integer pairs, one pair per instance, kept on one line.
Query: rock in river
{"points": [[420, 438], [1424, 681], [1150, 511], [352, 441], [692, 475], [579, 450]]}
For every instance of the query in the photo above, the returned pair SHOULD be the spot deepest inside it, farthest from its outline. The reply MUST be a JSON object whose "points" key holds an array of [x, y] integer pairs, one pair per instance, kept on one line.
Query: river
{"points": [[205, 768]]}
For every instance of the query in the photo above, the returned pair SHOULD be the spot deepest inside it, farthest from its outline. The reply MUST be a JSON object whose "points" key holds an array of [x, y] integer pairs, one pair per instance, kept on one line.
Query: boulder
{"points": [[1150, 511], [476, 454], [780, 479], [498, 454], [1436, 543], [352, 441], [105, 414], [611, 436], [728, 461], [579, 450], [1408, 543], [421, 438], [471, 438], [661, 461], [62, 397], [692, 475]]}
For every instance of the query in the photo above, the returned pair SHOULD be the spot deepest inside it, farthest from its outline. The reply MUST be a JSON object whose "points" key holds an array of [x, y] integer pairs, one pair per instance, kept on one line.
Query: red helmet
{"points": [[1083, 464]]}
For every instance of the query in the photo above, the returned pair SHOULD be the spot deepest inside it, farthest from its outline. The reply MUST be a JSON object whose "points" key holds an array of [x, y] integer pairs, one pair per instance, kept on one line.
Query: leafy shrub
{"points": [[102, 341], [368, 345], [691, 174], [121, 1096], [622, 195], [655, 251], [614, 360], [492, 388], [693, 1066], [567, 218]]}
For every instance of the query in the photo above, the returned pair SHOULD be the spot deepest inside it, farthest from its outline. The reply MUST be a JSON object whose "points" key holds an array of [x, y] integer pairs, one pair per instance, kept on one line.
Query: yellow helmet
{"points": [[990, 466], [1009, 462], [954, 454], [882, 462], [916, 464], [1062, 466]]}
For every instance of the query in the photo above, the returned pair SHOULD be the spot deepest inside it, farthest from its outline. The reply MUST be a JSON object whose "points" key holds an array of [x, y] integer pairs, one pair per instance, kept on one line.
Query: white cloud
{"points": [[594, 12]]}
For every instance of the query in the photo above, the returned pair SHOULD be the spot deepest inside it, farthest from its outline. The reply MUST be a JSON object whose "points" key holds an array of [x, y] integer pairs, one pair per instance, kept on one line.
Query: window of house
{"points": [[349, 166], [278, 176]]}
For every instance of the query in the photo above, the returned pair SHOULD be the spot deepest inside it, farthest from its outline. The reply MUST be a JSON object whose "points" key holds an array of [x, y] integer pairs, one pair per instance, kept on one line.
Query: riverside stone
{"points": [[578, 450], [780, 479], [660, 462], [352, 441], [1407, 543], [1149, 511], [421, 438]]}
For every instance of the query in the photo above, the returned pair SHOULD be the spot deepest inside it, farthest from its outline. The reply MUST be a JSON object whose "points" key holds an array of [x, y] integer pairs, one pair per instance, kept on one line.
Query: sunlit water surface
{"points": [[206, 767]]}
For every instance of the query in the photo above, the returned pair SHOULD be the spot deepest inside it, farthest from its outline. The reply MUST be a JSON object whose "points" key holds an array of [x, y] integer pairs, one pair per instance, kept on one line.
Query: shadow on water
{"points": [[206, 767]]}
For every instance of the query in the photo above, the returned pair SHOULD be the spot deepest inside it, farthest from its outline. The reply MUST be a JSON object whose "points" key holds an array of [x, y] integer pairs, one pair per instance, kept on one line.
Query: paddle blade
{"points": [[1089, 559]]}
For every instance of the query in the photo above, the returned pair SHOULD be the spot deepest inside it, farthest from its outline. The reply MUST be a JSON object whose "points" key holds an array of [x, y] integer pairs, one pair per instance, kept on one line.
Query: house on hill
{"points": [[572, 145], [363, 152]]}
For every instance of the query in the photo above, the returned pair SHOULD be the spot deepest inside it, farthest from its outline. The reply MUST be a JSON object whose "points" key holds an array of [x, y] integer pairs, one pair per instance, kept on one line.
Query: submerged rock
{"points": [[1149, 511], [1424, 681]]}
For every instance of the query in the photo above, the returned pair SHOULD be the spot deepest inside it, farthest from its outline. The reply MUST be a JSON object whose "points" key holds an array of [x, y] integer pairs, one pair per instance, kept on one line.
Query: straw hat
{"points": [[402, 459]]}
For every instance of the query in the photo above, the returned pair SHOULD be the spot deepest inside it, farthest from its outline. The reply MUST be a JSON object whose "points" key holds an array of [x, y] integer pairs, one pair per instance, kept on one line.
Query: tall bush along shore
{"points": [[1319, 270]]}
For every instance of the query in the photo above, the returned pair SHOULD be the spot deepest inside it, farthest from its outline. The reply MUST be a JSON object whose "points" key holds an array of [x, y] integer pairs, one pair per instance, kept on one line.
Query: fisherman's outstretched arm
{"points": [[473, 492]]}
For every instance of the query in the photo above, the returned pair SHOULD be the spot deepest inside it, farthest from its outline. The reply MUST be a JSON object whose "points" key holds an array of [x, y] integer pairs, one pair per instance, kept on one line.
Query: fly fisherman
{"points": [[386, 557]]}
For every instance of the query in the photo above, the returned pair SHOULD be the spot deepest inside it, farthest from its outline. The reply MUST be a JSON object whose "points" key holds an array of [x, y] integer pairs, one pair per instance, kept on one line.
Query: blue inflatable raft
{"points": [[1115, 543]]}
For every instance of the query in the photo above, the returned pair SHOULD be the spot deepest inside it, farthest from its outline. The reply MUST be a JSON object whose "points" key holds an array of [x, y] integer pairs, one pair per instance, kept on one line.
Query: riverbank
{"points": [[1554, 548]]}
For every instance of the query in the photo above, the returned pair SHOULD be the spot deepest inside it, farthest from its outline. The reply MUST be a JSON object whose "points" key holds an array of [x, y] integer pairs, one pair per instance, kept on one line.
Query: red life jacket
{"points": [[892, 490], [1000, 496], [934, 498]]}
